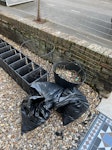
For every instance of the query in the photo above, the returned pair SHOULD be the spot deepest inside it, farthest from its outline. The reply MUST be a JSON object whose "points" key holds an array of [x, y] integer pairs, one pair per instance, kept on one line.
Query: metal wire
{"points": [[48, 55]]}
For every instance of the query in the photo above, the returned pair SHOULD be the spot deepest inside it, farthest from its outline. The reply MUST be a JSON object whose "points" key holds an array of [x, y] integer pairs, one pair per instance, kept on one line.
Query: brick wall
{"points": [[96, 60]]}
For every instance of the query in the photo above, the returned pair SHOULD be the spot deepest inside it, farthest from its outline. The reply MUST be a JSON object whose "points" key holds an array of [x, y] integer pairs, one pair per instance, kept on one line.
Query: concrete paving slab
{"points": [[105, 106]]}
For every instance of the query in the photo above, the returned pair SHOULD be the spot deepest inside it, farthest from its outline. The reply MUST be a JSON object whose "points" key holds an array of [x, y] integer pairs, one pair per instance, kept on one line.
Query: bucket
{"points": [[68, 74]]}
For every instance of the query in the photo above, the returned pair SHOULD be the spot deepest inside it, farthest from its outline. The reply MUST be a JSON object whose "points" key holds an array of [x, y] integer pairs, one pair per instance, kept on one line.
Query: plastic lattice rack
{"points": [[20, 67]]}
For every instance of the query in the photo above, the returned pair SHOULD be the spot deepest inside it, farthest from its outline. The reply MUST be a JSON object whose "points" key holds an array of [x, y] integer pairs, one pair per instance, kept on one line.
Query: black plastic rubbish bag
{"points": [[34, 113], [50, 91], [70, 103], [35, 110]]}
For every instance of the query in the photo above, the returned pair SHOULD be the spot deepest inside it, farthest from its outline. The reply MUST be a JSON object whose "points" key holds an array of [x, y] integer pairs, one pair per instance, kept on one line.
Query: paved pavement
{"points": [[89, 20], [105, 106]]}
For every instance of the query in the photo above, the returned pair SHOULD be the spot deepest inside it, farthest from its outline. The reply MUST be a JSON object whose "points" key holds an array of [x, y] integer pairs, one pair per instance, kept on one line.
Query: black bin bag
{"points": [[50, 91], [35, 110], [71, 105], [34, 113]]}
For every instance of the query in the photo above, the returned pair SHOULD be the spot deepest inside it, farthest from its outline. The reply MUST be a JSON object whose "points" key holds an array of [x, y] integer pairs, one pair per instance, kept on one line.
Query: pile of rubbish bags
{"points": [[35, 110]]}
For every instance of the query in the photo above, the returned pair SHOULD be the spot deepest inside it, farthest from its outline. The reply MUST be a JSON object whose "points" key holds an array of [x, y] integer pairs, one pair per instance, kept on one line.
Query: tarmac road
{"points": [[89, 20]]}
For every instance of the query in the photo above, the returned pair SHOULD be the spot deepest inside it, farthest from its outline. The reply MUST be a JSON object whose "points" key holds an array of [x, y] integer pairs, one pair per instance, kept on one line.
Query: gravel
{"points": [[68, 75], [51, 135]]}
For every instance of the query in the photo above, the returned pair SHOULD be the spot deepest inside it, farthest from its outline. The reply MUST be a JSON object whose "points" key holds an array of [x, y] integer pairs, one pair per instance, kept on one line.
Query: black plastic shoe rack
{"points": [[20, 67]]}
